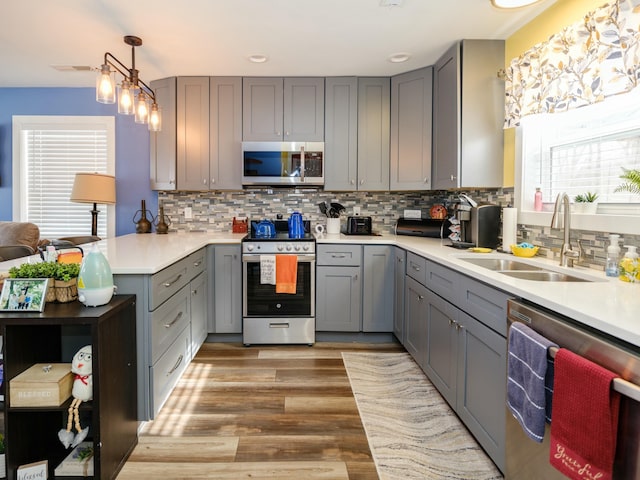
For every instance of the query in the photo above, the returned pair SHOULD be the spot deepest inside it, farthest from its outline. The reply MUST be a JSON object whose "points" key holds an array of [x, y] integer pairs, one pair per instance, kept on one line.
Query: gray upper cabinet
{"points": [[341, 134], [193, 133], [283, 109], [411, 121], [374, 104], [225, 137], [162, 145], [198, 148], [468, 115]]}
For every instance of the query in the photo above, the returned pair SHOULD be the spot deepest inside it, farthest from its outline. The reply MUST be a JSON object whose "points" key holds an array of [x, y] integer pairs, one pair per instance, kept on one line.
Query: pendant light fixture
{"points": [[133, 95], [512, 3]]}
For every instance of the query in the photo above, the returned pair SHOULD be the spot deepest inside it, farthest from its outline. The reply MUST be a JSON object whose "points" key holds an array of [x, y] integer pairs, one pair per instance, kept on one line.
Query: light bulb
{"points": [[125, 98], [142, 109], [155, 119], [105, 86]]}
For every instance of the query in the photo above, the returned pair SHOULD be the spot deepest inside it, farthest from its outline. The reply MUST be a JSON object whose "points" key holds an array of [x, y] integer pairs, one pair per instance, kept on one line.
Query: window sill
{"points": [[626, 224]]}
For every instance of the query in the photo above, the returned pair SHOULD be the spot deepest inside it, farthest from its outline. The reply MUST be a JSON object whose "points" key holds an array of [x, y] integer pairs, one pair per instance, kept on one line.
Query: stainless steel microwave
{"points": [[283, 163]]}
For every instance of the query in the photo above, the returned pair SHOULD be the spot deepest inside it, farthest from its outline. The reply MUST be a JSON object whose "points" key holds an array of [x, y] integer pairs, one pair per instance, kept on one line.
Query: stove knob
{"points": [[297, 247], [280, 247], [289, 247], [250, 247], [305, 247]]}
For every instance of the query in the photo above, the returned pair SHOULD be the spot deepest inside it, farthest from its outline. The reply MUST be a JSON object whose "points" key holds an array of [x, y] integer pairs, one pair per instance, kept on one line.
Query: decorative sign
{"points": [[34, 471]]}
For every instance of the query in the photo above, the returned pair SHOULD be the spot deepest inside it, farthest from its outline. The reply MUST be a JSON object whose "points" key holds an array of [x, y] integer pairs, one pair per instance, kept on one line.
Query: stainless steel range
{"points": [[278, 318]]}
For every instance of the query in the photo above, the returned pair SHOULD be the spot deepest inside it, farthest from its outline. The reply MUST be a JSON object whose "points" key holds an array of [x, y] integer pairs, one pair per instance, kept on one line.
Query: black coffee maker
{"points": [[479, 226]]}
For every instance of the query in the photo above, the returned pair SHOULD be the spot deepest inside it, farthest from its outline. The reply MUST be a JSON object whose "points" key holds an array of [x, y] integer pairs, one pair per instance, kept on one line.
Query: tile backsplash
{"points": [[214, 212]]}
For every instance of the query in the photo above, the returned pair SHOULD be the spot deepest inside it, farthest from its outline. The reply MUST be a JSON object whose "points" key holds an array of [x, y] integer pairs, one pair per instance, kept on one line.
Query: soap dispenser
{"points": [[613, 256], [629, 271]]}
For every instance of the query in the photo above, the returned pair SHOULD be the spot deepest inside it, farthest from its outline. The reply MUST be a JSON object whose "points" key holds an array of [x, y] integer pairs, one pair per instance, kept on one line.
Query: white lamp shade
{"points": [[94, 188]]}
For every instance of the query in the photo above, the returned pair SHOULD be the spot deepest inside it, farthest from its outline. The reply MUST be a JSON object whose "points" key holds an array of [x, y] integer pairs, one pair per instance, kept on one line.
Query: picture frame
{"points": [[23, 294]]}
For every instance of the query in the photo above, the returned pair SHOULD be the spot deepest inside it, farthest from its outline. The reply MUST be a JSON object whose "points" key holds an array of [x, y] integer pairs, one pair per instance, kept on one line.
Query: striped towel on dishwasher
{"points": [[526, 372]]}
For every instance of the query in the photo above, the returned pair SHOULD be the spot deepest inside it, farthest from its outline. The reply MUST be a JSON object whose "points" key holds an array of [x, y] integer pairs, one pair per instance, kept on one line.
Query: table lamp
{"points": [[94, 188]]}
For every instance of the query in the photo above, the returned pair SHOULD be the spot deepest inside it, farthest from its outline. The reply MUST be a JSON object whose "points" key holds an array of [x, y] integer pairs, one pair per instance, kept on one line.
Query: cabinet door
{"points": [[193, 133], [262, 109], [303, 117], [341, 134], [163, 144], [228, 289], [400, 261], [225, 123], [374, 103], [446, 120], [416, 320], [338, 299], [481, 385], [442, 346], [198, 301], [377, 289], [411, 119]]}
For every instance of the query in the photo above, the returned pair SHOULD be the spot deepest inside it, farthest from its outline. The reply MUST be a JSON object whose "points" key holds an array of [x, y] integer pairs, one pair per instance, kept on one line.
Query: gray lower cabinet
{"points": [[377, 288], [199, 311], [225, 289], [399, 271], [411, 120], [455, 329], [339, 288], [415, 314], [164, 308]]}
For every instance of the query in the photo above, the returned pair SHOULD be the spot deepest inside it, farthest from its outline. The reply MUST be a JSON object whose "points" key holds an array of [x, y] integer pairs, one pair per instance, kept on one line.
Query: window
{"points": [[579, 151], [48, 151]]}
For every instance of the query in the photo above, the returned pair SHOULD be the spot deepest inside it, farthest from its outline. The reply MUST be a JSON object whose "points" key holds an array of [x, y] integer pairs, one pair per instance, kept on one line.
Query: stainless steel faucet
{"points": [[567, 253]]}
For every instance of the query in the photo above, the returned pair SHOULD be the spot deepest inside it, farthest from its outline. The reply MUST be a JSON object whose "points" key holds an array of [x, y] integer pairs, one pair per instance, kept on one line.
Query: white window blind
{"points": [[51, 151]]}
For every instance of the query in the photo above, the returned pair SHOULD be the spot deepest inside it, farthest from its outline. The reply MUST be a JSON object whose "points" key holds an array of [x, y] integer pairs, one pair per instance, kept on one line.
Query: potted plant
{"points": [[632, 184], [37, 270], [66, 281], [586, 203], [62, 276]]}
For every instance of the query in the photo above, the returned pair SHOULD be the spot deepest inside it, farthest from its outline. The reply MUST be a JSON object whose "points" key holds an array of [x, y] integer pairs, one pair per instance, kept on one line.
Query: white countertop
{"points": [[606, 304]]}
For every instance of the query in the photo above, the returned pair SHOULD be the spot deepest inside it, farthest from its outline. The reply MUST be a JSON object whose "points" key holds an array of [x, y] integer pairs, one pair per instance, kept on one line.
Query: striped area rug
{"points": [[412, 432]]}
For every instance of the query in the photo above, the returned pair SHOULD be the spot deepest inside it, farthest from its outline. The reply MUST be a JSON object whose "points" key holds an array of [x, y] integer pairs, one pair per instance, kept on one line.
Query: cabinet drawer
{"points": [[277, 330], [345, 255], [168, 321], [443, 281], [485, 303], [197, 262], [417, 267], [167, 282], [166, 372]]}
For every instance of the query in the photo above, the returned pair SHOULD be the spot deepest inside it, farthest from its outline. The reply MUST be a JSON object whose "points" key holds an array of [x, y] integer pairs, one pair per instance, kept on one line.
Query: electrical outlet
{"points": [[412, 213], [188, 213], [356, 211]]}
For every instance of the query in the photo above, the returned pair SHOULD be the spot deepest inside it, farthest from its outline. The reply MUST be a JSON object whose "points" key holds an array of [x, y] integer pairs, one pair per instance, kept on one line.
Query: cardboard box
{"points": [[40, 386]]}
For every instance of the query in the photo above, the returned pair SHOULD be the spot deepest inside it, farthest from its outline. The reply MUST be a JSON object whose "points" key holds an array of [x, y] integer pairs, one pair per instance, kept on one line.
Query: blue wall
{"points": [[132, 147]]}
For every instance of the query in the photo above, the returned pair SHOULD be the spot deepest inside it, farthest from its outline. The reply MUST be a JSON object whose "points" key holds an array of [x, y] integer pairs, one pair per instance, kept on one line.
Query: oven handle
{"points": [[301, 258]]}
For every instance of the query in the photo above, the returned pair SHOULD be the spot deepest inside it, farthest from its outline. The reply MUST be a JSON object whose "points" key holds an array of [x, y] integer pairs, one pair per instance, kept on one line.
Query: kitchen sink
{"points": [[500, 264], [525, 271], [544, 276]]}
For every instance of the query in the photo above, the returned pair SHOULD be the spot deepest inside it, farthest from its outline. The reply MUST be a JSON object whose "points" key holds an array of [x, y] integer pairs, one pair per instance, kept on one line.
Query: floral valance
{"points": [[581, 65]]}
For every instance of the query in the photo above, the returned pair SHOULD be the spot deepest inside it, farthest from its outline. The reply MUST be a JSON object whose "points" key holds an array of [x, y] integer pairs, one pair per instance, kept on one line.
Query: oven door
{"points": [[260, 300]]}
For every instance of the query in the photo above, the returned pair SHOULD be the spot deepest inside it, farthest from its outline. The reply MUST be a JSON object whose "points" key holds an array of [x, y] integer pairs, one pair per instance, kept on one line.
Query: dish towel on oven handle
{"points": [[527, 364], [268, 269], [286, 273], [584, 421]]}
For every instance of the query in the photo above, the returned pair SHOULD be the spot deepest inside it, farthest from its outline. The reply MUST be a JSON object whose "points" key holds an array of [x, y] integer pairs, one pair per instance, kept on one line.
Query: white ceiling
{"points": [[216, 37]]}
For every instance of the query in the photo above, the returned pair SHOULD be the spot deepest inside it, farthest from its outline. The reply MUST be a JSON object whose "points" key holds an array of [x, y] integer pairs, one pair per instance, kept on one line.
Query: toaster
{"points": [[358, 226]]}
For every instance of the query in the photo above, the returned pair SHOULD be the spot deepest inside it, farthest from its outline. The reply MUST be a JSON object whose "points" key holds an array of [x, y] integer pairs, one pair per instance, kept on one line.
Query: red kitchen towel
{"points": [[286, 273], [584, 421]]}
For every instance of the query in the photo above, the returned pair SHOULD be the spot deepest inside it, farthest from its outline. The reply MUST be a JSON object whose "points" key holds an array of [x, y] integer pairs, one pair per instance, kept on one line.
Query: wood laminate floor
{"points": [[238, 412]]}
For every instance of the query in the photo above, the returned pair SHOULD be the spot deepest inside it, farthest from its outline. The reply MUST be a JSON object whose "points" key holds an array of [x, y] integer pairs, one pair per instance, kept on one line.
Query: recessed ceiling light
{"points": [[391, 3], [258, 58], [512, 3], [399, 57]]}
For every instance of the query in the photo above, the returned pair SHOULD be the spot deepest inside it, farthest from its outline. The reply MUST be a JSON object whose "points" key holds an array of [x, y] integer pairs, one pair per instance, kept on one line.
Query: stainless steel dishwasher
{"points": [[528, 460]]}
